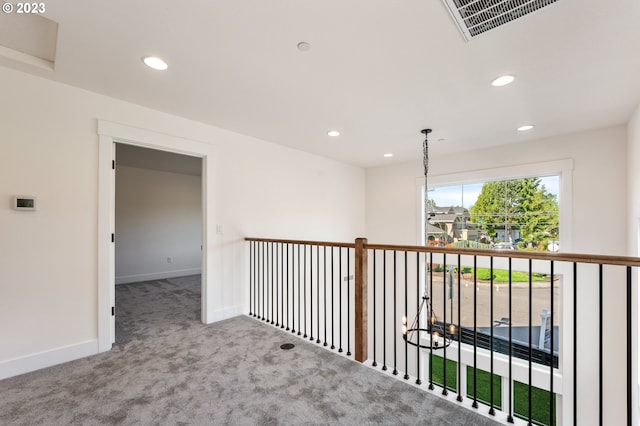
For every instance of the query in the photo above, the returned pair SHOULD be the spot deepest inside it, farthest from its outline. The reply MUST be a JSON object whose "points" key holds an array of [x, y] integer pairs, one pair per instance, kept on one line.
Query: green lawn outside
{"points": [[483, 394], [499, 275], [484, 387], [539, 401], [539, 397], [438, 373], [502, 276]]}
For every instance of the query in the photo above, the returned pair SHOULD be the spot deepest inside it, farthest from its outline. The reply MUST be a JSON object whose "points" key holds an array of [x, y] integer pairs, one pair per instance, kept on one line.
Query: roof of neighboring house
{"points": [[448, 210], [445, 218], [434, 229], [460, 210]]}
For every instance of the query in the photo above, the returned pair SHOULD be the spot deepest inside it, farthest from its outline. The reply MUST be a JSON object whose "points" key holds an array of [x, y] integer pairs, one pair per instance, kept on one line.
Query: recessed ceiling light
{"points": [[503, 80], [155, 63], [303, 46], [525, 127], [388, 155], [333, 133]]}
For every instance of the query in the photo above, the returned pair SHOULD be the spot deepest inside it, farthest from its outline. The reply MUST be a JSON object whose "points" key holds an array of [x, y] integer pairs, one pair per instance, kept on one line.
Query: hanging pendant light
{"points": [[439, 333]]}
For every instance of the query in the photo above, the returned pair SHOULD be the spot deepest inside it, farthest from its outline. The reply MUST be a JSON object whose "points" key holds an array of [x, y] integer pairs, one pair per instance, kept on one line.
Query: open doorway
{"points": [[109, 133], [158, 243]]}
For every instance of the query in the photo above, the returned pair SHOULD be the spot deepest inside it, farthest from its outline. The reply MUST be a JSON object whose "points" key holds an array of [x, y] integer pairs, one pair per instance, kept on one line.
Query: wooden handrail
{"points": [[362, 246], [557, 257], [302, 242]]}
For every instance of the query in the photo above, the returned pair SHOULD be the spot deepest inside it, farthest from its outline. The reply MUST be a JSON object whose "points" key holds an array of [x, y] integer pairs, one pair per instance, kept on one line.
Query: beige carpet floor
{"points": [[169, 369]]}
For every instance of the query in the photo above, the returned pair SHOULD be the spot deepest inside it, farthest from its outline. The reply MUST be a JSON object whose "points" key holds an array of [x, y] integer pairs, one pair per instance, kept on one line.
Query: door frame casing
{"points": [[108, 135]]}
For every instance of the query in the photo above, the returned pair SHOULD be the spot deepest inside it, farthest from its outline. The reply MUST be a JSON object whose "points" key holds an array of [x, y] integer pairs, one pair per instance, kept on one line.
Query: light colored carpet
{"points": [[168, 369]]}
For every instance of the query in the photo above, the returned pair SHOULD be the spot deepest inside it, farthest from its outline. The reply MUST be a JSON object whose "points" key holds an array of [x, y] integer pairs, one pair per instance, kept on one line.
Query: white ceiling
{"points": [[379, 71]]}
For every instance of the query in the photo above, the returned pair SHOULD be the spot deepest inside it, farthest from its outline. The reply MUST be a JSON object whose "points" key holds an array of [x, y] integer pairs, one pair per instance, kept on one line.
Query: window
{"points": [[509, 214], [523, 207]]}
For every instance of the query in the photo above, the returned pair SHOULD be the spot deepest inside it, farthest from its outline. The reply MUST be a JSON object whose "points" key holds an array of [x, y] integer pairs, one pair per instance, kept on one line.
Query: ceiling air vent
{"points": [[475, 17]]}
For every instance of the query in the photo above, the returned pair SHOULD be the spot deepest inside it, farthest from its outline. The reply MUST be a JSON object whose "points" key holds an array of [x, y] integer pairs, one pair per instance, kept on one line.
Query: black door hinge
{"points": [[113, 164], [113, 311], [113, 238]]}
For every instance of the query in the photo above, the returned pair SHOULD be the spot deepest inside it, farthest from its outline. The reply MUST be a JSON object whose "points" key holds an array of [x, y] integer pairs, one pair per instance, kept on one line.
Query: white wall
{"points": [[48, 258], [598, 225], [158, 216], [633, 159], [599, 187]]}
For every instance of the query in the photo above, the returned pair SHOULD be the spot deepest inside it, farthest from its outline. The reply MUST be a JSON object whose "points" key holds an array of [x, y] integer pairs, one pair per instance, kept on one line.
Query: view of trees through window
{"points": [[512, 214], [510, 306]]}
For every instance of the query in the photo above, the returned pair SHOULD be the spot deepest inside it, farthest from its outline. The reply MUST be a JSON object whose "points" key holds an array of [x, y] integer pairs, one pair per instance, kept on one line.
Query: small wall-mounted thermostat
{"points": [[24, 202]]}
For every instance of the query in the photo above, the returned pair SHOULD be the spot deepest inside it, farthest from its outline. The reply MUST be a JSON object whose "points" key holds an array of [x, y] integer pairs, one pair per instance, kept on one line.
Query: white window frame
{"points": [[561, 168]]}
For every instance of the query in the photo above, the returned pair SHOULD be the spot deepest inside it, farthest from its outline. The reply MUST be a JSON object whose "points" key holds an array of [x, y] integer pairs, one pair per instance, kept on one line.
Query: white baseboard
{"points": [[125, 279], [26, 364], [225, 313]]}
